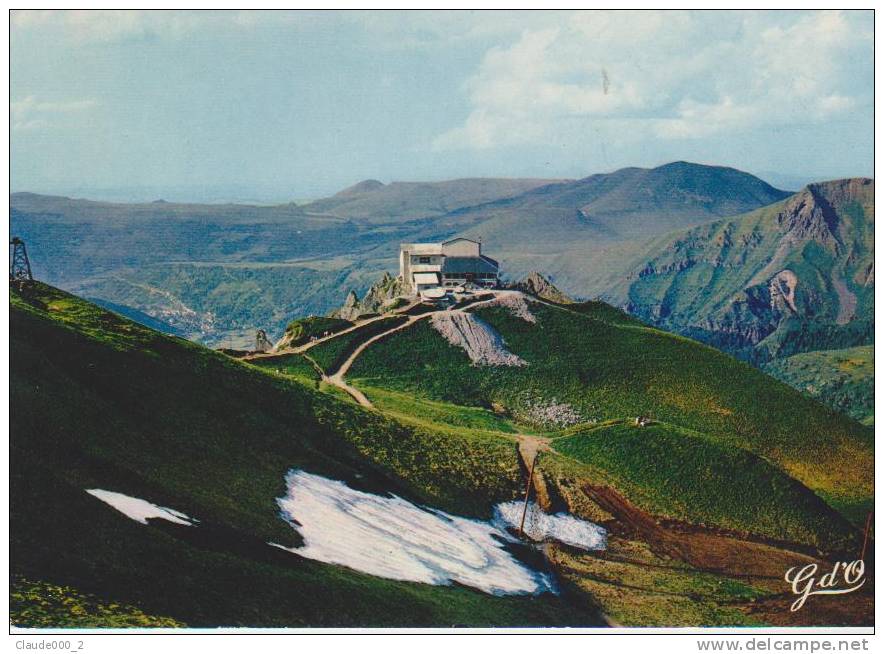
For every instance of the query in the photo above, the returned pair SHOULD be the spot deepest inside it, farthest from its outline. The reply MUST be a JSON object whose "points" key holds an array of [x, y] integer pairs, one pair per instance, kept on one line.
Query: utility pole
{"points": [[19, 266], [862, 552], [527, 494]]}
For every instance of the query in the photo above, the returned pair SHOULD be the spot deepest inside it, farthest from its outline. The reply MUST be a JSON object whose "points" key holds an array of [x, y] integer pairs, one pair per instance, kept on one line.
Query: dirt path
{"points": [[336, 377], [530, 446], [311, 344]]}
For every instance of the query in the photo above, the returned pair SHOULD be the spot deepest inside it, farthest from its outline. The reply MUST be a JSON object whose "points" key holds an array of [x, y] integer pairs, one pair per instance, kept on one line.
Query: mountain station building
{"points": [[431, 268]]}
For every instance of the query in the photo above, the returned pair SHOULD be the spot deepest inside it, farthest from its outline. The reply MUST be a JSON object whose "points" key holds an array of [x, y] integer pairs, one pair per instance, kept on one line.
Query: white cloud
{"points": [[670, 75], [32, 113]]}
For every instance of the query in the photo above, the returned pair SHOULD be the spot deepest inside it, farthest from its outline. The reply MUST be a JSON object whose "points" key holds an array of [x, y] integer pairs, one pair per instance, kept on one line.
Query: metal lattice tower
{"points": [[19, 265]]}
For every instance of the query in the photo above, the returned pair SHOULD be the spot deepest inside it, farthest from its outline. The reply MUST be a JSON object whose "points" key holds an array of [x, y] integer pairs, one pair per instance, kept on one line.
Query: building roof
{"points": [[469, 265], [426, 278], [460, 238], [422, 248]]}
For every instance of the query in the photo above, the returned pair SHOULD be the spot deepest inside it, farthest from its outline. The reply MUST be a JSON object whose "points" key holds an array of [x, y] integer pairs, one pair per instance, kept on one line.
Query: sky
{"points": [[281, 106]]}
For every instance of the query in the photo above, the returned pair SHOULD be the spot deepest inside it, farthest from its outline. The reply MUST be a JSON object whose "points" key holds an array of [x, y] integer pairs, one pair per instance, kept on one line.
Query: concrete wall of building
{"points": [[405, 266]]}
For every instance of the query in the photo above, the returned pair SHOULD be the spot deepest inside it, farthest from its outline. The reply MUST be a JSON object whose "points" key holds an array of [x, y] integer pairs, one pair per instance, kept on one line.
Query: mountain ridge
{"points": [[261, 266], [808, 257]]}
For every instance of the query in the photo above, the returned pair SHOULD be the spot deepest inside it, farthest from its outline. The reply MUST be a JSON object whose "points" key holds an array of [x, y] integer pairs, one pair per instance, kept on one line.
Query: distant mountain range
{"points": [[707, 251], [216, 272], [370, 201], [768, 283], [791, 278]]}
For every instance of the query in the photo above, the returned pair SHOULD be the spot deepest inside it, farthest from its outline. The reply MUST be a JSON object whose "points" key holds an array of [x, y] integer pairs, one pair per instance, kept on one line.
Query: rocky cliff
{"points": [[794, 276], [384, 295]]}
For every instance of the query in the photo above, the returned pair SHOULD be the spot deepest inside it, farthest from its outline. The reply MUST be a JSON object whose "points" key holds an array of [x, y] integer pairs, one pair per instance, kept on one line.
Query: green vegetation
{"points": [[606, 370], [408, 408], [42, 605], [712, 282], [636, 587], [331, 354], [100, 402], [299, 331], [842, 379], [605, 312], [684, 475], [292, 365]]}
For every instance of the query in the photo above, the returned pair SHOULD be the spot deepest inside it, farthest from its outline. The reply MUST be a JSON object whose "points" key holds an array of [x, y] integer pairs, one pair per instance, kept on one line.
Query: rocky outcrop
{"points": [[796, 274], [782, 291], [350, 310], [539, 286], [385, 295]]}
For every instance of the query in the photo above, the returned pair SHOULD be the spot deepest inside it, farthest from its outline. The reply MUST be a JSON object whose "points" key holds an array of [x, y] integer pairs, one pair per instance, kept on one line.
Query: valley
{"points": [[671, 245], [223, 269], [706, 477], [682, 547]]}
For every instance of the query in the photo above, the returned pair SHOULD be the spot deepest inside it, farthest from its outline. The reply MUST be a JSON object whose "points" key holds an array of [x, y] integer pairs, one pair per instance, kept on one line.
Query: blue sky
{"points": [[273, 106]]}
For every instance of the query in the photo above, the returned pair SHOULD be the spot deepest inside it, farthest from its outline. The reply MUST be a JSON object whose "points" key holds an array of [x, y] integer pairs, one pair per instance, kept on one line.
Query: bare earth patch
{"points": [[479, 340], [517, 305]]}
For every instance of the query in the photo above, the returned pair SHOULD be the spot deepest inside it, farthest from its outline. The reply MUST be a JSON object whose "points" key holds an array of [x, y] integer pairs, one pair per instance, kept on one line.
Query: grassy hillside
{"points": [[795, 276], [681, 473], [842, 379], [301, 330], [331, 354], [602, 368], [100, 402]]}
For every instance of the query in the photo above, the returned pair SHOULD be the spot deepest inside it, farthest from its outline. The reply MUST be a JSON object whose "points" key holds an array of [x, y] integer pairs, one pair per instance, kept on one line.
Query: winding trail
{"points": [[310, 344], [336, 377]]}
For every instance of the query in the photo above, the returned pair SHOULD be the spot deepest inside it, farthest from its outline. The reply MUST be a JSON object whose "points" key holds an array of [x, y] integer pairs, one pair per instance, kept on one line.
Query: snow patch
{"points": [[540, 526], [392, 538], [139, 510], [481, 342]]}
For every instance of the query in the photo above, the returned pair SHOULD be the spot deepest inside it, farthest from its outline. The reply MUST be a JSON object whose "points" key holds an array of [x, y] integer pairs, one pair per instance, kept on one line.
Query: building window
{"points": [[424, 260]]}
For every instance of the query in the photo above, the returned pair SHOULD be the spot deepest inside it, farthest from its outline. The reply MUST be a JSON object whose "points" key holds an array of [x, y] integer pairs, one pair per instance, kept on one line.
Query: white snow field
{"points": [[390, 537], [139, 510], [540, 526]]}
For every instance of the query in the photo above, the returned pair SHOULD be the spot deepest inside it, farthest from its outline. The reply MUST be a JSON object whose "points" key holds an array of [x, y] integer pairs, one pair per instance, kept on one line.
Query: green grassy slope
{"points": [[290, 365], [606, 370], [331, 354], [714, 282], [842, 379], [100, 402], [689, 476], [301, 330]]}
